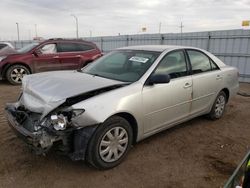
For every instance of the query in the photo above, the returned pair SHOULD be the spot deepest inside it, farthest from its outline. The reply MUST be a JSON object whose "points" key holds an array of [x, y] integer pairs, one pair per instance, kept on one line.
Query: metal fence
{"points": [[21, 43], [231, 46]]}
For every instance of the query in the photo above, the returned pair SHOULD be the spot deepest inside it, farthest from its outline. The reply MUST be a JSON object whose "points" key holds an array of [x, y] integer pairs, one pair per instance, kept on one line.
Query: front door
{"points": [[167, 103], [47, 59]]}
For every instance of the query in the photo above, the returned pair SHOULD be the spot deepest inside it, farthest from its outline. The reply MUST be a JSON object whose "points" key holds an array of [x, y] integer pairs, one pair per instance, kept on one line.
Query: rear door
{"points": [[70, 56], [207, 80], [47, 58]]}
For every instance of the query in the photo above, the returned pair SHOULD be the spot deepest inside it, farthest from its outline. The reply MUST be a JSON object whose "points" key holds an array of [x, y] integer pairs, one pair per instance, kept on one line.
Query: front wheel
{"points": [[110, 143], [219, 106], [15, 74]]}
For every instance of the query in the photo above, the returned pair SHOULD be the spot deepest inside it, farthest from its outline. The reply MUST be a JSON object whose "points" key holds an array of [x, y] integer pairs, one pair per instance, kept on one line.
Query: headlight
{"points": [[2, 57], [59, 122], [62, 119]]}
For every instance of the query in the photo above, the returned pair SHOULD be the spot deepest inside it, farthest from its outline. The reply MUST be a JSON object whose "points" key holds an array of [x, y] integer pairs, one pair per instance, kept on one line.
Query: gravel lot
{"points": [[199, 153]]}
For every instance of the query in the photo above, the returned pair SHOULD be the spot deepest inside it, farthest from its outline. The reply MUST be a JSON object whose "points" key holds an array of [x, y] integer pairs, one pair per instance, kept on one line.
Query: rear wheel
{"points": [[110, 143], [219, 106], [15, 74]]}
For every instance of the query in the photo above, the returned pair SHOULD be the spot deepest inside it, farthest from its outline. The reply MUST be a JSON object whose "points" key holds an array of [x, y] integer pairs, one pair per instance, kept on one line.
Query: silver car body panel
{"points": [[44, 92], [154, 107]]}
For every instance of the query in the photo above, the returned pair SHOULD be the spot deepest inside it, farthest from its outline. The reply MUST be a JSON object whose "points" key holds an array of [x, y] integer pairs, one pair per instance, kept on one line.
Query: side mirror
{"points": [[159, 79], [37, 52]]}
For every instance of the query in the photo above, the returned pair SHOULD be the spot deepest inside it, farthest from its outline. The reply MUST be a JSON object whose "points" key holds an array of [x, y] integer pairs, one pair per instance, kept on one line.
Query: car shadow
{"points": [[193, 122], [4, 82], [54, 157]]}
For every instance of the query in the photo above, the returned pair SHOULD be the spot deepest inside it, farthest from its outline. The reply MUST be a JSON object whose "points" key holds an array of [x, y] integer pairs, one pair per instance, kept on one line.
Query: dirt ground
{"points": [[199, 153]]}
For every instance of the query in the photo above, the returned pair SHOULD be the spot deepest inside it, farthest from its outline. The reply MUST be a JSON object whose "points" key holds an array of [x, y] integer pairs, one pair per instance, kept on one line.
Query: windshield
{"points": [[27, 47], [122, 65]]}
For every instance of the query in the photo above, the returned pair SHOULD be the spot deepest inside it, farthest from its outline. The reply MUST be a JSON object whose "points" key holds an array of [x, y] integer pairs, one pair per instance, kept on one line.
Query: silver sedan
{"points": [[98, 112]]}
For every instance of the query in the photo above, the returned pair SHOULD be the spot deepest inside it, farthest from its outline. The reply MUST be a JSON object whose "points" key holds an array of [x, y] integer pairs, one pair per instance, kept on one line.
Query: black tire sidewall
{"points": [[93, 156], [10, 69], [212, 113]]}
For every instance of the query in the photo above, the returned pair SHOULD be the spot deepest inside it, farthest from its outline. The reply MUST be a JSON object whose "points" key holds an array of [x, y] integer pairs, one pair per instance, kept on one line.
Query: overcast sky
{"points": [[110, 17]]}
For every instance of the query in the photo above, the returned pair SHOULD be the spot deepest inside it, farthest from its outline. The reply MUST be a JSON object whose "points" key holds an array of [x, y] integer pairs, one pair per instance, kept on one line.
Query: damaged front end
{"points": [[44, 116], [56, 130]]}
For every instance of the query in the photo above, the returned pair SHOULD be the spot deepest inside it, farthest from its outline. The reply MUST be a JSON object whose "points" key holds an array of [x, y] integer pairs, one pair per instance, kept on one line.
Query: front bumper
{"points": [[72, 142], [27, 136], [1, 76], [39, 141]]}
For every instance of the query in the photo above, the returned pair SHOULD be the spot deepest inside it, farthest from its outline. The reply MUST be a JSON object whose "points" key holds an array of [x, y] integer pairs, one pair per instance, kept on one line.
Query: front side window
{"points": [[48, 49], [199, 61], [173, 64], [122, 65]]}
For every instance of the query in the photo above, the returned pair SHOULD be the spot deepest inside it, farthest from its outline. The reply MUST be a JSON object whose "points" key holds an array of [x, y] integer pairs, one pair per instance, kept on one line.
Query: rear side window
{"points": [[200, 62], [67, 47], [84, 47], [73, 47]]}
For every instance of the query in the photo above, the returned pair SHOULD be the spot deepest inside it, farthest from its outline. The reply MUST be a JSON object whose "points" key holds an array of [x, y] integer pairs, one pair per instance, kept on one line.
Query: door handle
{"points": [[218, 77], [78, 56], [187, 85], [56, 57]]}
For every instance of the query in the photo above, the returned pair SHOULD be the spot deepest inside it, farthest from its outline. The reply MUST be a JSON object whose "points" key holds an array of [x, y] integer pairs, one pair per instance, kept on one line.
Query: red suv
{"points": [[49, 55]]}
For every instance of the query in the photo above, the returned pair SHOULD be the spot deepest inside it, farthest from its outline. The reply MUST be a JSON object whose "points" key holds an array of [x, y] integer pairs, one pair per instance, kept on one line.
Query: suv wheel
{"points": [[218, 106], [15, 74], [110, 143]]}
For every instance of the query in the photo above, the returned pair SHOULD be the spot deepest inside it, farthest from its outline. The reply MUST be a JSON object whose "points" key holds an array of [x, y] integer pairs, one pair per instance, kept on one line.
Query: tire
{"points": [[219, 106], [105, 153], [15, 73]]}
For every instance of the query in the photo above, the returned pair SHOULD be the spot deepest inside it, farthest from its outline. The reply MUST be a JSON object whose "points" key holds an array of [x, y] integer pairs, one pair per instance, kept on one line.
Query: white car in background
{"points": [[6, 48]]}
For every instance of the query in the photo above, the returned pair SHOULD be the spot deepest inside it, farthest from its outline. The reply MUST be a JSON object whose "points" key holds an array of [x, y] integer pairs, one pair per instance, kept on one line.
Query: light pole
{"points": [[36, 30], [17, 26], [160, 27], [181, 26], [76, 24]]}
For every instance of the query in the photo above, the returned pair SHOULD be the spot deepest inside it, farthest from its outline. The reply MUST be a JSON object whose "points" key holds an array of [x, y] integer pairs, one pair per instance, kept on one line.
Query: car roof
{"points": [[162, 48], [157, 48], [68, 40]]}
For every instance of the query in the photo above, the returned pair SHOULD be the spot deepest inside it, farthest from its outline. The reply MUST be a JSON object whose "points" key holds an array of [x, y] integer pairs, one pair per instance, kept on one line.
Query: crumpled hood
{"points": [[44, 92]]}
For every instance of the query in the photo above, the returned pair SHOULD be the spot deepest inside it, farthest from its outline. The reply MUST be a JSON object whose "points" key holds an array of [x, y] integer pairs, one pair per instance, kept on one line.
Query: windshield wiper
{"points": [[79, 70]]}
